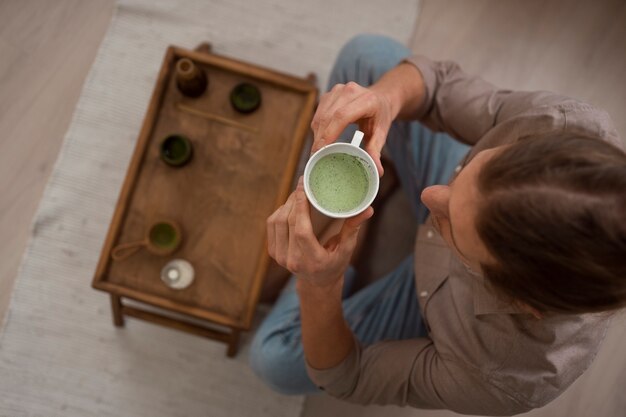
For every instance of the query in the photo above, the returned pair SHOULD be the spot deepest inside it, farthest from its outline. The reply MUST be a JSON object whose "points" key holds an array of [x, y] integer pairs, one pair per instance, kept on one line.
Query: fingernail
{"points": [[301, 180]]}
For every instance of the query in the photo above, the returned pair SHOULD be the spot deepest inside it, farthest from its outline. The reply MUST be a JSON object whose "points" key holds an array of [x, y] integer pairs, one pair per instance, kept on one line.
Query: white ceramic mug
{"points": [[353, 149]]}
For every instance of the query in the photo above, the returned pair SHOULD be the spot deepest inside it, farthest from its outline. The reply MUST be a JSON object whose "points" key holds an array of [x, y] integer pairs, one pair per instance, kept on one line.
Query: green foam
{"points": [[163, 235], [339, 182]]}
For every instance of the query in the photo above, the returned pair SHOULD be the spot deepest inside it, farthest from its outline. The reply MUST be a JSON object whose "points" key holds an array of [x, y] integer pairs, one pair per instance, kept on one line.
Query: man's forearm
{"points": [[403, 86], [326, 337]]}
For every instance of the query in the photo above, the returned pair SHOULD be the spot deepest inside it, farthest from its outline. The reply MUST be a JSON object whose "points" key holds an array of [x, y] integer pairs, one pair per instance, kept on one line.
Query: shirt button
{"points": [[430, 234], [458, 169], [424, 294]]}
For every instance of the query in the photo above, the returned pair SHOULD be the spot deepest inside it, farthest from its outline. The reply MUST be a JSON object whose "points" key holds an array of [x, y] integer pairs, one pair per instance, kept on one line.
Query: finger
{"points": [[322, 115], [355, 222], [281, 231], [375, 145], [325, 101], [294, 253], [375, 154], [303, 229], [360, 107], [271, 235], [351, 227], [364, 106], [345, 110], [332, 243]]}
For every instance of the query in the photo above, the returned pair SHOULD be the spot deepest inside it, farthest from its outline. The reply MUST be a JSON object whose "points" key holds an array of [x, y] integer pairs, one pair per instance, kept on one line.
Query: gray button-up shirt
{"points": [[483, 355]]}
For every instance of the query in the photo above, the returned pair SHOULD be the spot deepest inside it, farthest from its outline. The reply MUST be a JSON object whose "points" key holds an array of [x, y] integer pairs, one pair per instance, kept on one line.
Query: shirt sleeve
{"points": [[466, 107], [411, 372]]}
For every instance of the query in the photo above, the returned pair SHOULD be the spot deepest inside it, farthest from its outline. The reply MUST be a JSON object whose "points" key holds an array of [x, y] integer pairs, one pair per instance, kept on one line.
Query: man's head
{"points": [[544, 220]]}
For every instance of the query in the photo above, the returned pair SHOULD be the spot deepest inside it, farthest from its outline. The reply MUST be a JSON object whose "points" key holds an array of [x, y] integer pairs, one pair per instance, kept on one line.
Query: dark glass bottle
{"points": [[190, 79]]}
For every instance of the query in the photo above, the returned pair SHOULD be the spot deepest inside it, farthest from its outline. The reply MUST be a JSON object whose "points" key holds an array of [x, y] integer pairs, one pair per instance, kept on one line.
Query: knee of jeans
{"points": [[279, 365], [365, 42], [366, 57]]}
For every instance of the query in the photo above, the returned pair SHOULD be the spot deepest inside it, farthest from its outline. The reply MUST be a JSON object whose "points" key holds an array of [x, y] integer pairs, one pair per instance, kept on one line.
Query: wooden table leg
{"points": [[116, 308], [233, 344]]}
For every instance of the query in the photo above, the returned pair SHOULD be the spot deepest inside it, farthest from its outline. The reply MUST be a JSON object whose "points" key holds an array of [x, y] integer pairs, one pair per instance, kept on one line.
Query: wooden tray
{"points": [[241, 170]]}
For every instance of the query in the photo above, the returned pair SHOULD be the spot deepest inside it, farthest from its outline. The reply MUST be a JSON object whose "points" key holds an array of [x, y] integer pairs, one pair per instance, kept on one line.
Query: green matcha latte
{"points": [[339, 182]]}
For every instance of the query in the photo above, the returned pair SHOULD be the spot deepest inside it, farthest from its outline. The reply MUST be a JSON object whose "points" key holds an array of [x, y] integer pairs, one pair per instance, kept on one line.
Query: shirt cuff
{"points": [[340, 380], [427, 68]]}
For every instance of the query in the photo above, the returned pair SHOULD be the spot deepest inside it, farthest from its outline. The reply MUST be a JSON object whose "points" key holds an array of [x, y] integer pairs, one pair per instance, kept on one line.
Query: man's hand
{"points": [[292, 243], [351, 103]]}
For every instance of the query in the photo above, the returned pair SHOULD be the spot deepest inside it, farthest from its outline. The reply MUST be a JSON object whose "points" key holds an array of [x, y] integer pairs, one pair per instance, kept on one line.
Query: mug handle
{"points": [[124, 250], [357, 138]]}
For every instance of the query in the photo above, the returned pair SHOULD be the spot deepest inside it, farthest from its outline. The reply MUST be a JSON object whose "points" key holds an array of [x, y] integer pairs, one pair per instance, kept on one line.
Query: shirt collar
{"points": [[485, 298]]}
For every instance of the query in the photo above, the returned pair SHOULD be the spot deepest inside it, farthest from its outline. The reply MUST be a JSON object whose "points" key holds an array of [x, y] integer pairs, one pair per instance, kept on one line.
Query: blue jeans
{"points": [[388, 308]]}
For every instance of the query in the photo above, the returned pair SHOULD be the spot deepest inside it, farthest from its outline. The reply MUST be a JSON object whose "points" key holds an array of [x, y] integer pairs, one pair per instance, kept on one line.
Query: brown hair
{"points": [[553, 215]]}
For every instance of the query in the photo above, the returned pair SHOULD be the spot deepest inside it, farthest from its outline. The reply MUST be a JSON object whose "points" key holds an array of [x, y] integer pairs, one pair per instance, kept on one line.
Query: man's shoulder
{"points": [[548, 355], [533, 360], [547, 114]]}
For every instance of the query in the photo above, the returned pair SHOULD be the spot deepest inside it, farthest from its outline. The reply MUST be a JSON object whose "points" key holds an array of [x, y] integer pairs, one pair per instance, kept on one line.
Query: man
{"points": [[515, 272]]}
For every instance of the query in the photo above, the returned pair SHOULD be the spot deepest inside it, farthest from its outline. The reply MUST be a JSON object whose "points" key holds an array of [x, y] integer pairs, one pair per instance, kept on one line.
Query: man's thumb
{"points": [[351, 226]]}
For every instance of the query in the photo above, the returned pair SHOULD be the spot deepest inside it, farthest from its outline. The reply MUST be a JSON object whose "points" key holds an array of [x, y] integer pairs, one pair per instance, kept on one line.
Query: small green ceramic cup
{"points": [[176, 150], [245, 98], [162, 238]]}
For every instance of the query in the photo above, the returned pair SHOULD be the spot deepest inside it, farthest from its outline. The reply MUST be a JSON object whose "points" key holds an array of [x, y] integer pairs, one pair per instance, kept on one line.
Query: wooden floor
{"points": [[572, 47], [47, 48]]}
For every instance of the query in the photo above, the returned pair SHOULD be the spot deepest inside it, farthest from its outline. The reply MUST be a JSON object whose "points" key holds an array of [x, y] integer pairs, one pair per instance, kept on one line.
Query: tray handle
{"points": [[124, 250]]}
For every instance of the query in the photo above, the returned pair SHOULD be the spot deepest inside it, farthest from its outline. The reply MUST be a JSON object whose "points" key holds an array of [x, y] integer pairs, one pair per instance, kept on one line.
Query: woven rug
{"points": [[59, 352]]}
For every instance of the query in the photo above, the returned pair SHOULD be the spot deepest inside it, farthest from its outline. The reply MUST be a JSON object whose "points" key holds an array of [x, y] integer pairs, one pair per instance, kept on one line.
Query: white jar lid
{"points": [[177, 274]]}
